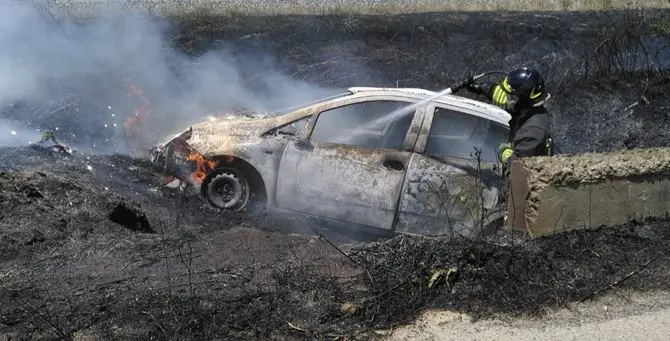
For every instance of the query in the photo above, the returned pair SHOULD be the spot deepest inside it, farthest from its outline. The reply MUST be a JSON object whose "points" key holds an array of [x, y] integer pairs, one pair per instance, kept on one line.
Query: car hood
{"points": [[236, 125], [226, 134]]}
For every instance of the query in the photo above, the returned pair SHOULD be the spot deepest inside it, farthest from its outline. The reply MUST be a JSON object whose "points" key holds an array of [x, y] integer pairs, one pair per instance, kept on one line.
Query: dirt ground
{"points": [[89, 246], [622, 315]]}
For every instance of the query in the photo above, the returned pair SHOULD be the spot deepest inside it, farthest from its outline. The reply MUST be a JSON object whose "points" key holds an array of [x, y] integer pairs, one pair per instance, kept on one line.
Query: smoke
{"points": [[86, 79], [13, 134]]}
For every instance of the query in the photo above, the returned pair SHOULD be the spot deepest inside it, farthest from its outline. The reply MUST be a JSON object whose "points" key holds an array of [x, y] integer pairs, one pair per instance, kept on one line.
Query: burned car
{"points": [[396, 159]]}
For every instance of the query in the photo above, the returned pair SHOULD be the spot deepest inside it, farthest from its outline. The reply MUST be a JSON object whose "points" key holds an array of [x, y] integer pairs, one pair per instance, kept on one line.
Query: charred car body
{"points": [[396, 159]]}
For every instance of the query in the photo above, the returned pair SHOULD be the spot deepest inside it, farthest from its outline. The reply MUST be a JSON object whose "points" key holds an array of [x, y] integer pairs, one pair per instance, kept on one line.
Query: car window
{"points": [[456, 134], [373, 124], [293, 128]]}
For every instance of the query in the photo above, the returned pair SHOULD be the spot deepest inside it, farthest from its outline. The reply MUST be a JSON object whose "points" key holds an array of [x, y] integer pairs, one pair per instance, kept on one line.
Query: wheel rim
{"points": [[228, 191]]}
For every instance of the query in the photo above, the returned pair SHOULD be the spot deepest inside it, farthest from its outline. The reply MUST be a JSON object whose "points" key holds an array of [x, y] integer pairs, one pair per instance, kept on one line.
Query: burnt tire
{"points": [[227, 189]]}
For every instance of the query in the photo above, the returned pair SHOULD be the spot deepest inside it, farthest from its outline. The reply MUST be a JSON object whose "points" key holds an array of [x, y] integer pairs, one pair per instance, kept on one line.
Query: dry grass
{"points": [[173, 8]]}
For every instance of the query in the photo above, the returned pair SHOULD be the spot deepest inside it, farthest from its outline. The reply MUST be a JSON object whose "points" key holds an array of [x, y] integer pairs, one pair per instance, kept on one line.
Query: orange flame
{"points": [[202, 164], [134, 123]]}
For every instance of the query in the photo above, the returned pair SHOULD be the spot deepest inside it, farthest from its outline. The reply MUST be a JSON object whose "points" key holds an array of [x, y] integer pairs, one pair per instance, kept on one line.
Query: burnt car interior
{"points": [[456, 134], [292, 128], [380, 124]]}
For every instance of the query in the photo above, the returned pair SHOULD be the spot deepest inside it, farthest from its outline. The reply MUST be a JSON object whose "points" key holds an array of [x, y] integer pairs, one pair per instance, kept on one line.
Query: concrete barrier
{"points": [[553, 194]]}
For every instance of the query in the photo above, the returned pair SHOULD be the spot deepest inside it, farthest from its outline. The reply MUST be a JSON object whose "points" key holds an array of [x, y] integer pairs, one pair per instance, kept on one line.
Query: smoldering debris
{"points": [[49, 143]]}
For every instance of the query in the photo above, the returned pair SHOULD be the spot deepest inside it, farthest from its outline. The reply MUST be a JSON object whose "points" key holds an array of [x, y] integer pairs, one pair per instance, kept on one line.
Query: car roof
{"points": [[490, 111]]}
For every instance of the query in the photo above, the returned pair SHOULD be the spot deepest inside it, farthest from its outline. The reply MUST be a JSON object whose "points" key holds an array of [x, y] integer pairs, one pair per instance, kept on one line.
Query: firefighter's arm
{"points": [[500, 98], [481, 89], [487, 90], [478, 88]]}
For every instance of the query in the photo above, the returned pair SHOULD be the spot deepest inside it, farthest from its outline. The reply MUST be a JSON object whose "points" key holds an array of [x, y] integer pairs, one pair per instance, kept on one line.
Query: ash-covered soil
{"points": [[90, 246]]}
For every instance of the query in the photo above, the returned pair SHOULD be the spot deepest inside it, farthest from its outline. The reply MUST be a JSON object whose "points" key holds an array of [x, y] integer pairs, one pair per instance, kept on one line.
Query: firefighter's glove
{"points": [[505, 151], [472, 86]]}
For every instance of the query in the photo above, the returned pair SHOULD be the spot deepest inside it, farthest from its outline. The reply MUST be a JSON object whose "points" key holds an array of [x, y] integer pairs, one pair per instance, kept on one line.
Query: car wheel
{"points": [[226, 188]]}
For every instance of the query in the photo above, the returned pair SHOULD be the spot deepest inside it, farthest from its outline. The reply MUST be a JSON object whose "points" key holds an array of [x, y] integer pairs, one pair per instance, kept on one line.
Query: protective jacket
{"points": [[530, 132], [530, 126]]}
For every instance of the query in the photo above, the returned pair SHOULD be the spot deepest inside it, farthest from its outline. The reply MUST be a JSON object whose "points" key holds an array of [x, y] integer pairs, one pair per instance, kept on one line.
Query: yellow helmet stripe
{"points": [[534, 95]]}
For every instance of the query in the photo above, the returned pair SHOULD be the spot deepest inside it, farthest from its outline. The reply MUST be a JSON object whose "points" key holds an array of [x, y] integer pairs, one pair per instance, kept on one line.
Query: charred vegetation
{"points": [[74, 261]]}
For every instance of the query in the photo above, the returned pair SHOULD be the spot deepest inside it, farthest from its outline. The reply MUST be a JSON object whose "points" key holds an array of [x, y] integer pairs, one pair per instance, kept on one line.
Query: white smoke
{"points": [[76, 77], [13, 134]]}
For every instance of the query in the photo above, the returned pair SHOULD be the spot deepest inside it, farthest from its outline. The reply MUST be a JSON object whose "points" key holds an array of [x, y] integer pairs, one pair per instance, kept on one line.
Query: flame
{"points": [[134, 123], [202, 164], [135, 133]]}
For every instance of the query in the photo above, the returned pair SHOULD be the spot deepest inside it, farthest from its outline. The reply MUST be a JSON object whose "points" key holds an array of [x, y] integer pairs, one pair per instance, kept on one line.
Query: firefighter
{"points": [[521, 93]]}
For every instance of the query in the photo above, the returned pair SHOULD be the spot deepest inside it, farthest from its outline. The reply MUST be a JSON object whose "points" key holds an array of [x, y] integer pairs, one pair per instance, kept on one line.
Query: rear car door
{"points": [[449, 188], [352, 164]]}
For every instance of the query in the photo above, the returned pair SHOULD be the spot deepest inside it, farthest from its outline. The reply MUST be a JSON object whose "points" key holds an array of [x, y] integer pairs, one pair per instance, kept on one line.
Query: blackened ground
{"points": [[67, 268], [193, 273]]}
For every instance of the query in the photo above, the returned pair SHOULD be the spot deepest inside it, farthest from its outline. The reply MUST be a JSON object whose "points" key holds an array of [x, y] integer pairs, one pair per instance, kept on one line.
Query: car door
{"points": [[450, 189], [351, 165]]}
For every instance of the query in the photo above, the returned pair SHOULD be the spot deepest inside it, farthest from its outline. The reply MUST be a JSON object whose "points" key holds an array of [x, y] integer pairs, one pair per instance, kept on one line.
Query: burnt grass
{"points": [[90, 246]]}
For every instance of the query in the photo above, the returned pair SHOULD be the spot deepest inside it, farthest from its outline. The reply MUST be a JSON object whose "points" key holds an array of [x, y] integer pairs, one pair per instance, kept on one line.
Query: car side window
{"points": [[456, 134], [373, 124], [293, 128]]}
